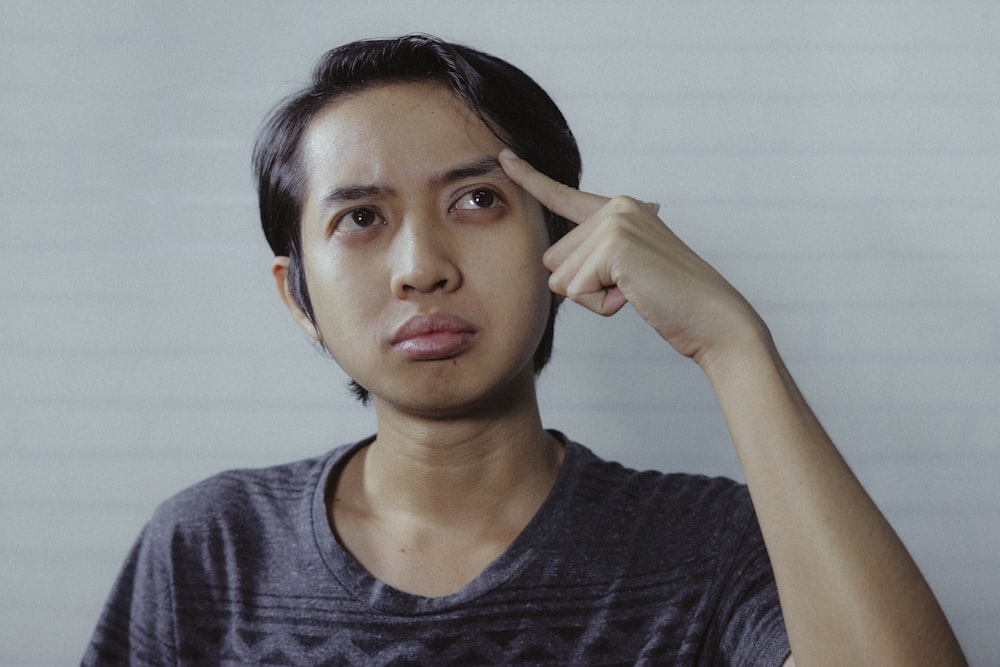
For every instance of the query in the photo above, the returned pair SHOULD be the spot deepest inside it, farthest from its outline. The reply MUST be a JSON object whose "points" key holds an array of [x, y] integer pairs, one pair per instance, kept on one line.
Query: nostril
{"points": [[440, 284]]}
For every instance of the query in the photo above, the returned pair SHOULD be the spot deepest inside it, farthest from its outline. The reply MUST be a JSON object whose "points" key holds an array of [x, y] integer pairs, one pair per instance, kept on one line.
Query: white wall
{"points": [[840, 162]]}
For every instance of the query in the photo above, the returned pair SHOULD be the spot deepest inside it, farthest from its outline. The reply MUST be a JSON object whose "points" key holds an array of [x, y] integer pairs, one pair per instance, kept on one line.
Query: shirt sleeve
{"points": [[136, 626], [754, 632]]}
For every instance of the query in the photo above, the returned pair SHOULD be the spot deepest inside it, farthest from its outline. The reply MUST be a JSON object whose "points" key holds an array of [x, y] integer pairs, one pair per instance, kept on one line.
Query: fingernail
{"points": [[509, 154]]}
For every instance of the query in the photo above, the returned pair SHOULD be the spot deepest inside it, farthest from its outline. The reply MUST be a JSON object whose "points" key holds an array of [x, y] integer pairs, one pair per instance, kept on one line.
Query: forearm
{"points": [[849, 591]]}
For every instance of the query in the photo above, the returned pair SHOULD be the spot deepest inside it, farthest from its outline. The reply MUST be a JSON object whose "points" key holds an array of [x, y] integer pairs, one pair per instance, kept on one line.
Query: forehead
{"points": [[393, 133]]}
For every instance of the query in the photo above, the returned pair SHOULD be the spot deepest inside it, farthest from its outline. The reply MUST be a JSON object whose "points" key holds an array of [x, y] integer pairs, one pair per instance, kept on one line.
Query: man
{"points": [[417, 242]]}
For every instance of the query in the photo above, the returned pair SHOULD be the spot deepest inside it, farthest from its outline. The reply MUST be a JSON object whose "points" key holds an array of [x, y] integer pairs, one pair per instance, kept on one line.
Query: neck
{"points": [[461, 469]]}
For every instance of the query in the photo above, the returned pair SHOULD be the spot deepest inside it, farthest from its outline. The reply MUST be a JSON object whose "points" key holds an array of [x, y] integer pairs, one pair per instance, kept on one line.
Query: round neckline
{"points": [[368, 590]]}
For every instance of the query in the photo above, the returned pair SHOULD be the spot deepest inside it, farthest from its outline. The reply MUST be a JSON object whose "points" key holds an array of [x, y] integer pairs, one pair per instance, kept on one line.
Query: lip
{"points": [[433, 336]]}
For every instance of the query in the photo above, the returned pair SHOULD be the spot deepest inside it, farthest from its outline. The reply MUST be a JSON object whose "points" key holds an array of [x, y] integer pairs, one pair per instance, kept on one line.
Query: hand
{"points": [[620, 251], [829, 546]]}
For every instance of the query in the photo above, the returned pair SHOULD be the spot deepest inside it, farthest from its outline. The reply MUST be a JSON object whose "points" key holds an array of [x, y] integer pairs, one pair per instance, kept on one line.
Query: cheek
{"points": [[520, 282], [340, 295]]}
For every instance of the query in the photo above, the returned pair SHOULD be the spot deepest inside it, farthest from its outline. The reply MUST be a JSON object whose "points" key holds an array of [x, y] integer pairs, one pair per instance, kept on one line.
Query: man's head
{"points": [[512, 106]]}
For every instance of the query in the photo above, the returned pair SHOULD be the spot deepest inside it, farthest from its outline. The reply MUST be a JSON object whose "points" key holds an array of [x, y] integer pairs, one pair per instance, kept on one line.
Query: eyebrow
{"points": [[350, 193], [484, 166]]}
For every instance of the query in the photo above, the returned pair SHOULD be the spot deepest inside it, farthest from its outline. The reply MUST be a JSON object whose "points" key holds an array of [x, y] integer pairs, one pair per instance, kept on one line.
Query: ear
{"points": [[279, 269]]}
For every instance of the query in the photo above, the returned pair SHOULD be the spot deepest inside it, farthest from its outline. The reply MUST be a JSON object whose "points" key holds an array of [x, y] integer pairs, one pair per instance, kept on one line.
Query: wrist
{"points": [[747, 343]]}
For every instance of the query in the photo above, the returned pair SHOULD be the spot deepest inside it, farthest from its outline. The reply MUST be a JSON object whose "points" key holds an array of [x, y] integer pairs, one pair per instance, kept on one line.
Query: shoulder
{"points": [[600, 479], [250, 497], [708, 514]]}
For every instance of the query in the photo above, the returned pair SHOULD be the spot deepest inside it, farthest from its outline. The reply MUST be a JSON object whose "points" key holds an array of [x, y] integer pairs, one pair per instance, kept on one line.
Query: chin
{"points": [[450, 397]]}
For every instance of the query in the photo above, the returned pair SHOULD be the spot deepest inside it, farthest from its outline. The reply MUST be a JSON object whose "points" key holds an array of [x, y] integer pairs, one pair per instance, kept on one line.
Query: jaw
{"points": [[448, 396]]}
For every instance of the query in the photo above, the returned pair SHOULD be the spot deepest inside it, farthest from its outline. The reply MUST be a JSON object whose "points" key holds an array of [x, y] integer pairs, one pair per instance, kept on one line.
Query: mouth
{"points": [[433, 336]]}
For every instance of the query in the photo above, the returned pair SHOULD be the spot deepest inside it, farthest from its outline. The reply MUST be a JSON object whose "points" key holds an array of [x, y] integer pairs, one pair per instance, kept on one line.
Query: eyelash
{"points": [[496, 202], [348, 218], [349, 215]]}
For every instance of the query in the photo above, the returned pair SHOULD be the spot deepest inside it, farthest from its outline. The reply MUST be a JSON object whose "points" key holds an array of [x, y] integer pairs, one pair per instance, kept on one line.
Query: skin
{"points": [[461, 461], [849, 591]]}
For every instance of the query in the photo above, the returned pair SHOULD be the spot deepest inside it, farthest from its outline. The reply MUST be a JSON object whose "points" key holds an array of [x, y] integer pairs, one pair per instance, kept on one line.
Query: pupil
{"points": [[482, 198]]}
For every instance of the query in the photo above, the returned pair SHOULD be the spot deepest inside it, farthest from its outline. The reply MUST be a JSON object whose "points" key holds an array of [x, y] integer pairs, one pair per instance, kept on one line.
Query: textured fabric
{"points": [[617, 567]]}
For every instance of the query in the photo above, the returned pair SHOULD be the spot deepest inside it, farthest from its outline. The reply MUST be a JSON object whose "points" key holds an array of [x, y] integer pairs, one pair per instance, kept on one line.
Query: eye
{"points": [[477, 199], [358, 218]]}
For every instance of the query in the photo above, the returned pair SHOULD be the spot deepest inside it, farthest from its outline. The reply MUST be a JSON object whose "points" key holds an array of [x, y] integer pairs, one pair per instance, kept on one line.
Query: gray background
{"points": [[839, 162]]}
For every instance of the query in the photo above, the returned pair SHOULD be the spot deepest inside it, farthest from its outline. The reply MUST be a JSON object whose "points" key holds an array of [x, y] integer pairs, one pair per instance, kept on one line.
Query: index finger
{"points": [[563, 200]]}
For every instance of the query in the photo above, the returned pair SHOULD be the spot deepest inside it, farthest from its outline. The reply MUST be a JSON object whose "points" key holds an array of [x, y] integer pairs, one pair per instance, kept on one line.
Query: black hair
{"points": [[515, 108]]}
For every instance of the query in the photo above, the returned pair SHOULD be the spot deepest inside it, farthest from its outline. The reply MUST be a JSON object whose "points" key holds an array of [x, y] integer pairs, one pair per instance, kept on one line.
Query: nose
{"points": [[423, 259]]}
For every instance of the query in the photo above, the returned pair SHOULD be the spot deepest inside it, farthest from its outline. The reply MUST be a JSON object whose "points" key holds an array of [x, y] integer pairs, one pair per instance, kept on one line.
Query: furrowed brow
{"points": [[485, 166], [347, 194]]}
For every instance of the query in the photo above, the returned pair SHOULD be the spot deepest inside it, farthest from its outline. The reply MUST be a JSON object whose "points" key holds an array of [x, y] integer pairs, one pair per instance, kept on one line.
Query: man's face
{"points": [[423, 260]]}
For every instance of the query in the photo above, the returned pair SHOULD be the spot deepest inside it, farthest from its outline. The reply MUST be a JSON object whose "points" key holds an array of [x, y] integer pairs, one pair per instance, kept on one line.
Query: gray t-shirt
{"points": [[618, 567]]}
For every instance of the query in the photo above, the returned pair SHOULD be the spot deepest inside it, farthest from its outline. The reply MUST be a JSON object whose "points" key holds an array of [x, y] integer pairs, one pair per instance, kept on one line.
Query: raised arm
{"points": [[850, 593]]}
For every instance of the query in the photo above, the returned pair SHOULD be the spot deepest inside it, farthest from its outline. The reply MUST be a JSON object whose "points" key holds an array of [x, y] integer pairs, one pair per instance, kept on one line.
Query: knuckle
{"points": [[573, 290], [625, 204]]}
